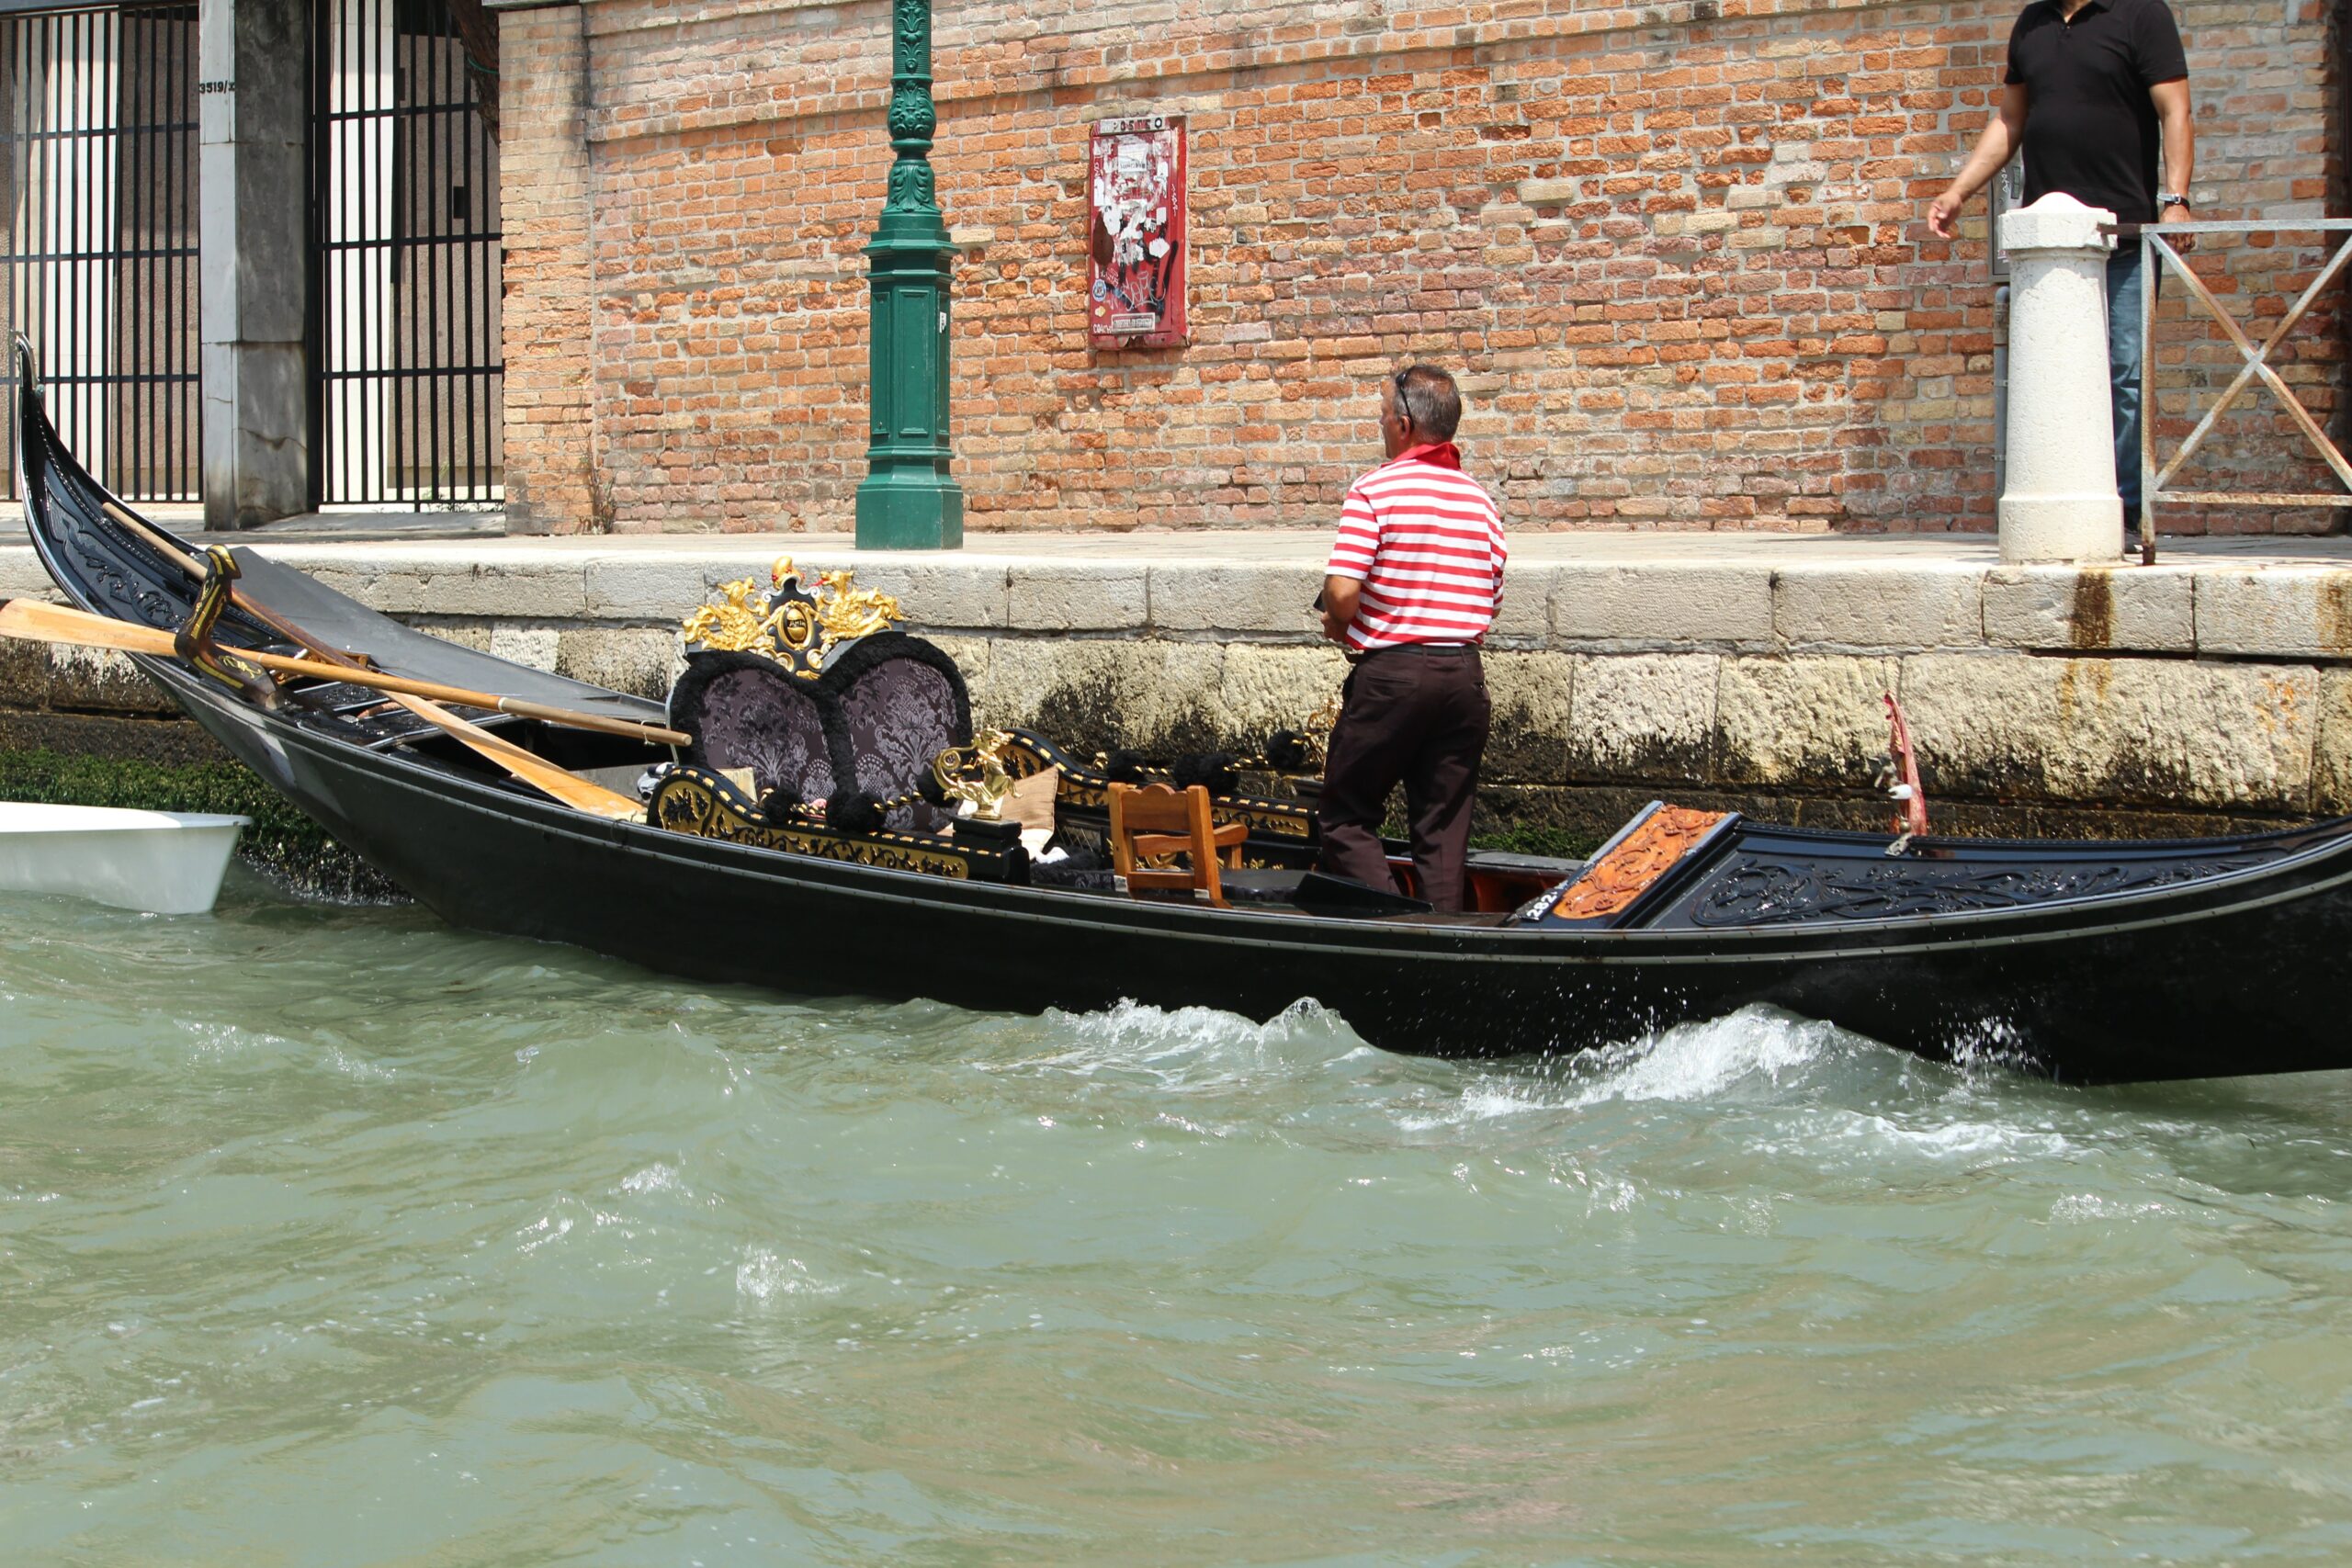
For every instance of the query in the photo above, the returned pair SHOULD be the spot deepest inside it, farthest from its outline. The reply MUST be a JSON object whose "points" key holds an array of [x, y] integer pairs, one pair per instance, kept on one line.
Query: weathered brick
{"points": [[1683, 268]]}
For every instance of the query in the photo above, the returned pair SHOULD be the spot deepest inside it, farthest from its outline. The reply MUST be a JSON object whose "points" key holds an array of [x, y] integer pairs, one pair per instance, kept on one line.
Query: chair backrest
{"points": [[1156, 820], [871, 722], [744, 712], [899, 702]]}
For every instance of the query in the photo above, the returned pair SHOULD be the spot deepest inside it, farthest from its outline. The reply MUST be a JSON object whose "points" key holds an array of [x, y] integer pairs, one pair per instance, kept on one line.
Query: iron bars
{"points": [[408, 367], [98, 183]]}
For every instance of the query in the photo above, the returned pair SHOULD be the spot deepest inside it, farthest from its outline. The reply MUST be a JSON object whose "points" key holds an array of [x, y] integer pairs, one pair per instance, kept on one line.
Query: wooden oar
{"points": [[35, 622], [531, 769], [57, 623], [366, 675]]}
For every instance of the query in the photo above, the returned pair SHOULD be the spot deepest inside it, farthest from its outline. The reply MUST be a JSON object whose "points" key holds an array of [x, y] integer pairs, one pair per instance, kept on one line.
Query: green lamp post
{"points": [[907, 501]]}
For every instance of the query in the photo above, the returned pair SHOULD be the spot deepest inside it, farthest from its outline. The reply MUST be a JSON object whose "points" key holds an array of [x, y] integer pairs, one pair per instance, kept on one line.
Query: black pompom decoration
{"points": [[852, 811], [1128, 768], [1286, 752], [928, 787], [779, 800], [1212, 770]]}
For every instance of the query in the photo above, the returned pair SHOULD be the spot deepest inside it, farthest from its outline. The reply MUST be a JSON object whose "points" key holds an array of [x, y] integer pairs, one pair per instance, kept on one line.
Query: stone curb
{"points": [[2208, 685], [2218, 607]]}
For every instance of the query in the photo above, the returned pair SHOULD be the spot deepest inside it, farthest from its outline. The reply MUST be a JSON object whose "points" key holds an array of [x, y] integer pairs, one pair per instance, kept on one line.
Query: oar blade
{"points": [[571, 789], [31, 620]]}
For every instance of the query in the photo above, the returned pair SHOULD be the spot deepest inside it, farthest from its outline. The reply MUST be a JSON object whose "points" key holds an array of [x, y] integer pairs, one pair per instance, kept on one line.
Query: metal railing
{"points": [[98, 188], [2158, 237], [408, 369]]}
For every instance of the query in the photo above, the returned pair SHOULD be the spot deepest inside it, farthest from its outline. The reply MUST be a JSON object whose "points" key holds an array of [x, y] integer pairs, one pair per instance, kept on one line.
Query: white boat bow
{"points": [[165, 863]]}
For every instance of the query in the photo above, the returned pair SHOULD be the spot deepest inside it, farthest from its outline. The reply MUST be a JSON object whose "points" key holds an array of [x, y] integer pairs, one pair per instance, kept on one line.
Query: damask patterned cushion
{"points": [[744, 712], [883, 709], [899, 714]]}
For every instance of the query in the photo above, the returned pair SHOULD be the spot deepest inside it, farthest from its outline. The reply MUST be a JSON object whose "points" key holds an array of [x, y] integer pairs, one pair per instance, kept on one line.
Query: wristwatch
{"points": [[2172, 198]]}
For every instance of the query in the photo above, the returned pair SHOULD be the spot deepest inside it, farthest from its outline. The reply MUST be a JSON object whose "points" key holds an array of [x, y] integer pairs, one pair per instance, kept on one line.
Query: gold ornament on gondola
{"points": [[1316, 731], [976, 774], [844, 614], [798, 625]]}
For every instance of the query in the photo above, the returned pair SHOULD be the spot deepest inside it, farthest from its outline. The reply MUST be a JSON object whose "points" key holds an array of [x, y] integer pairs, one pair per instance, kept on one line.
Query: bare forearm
{"points": [[1340, 597], [2180, 149], [1993, 148]]}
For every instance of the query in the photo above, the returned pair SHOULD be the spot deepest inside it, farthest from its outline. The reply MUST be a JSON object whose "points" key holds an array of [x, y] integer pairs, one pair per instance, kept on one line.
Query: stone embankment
{"points": [[2214, 689]]}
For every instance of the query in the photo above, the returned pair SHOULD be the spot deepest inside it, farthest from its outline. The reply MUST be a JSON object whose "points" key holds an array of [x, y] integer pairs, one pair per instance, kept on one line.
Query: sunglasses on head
{"points": [[1403, 411]]}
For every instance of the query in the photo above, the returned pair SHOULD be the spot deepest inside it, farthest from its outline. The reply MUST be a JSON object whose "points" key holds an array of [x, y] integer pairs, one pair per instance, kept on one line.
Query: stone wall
{"points": [[1676, 251], [2044, 700]]}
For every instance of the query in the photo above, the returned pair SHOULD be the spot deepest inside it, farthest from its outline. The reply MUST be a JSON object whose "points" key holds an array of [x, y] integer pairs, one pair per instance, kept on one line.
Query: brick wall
{"points": [[546, 203], [1675, 251]]}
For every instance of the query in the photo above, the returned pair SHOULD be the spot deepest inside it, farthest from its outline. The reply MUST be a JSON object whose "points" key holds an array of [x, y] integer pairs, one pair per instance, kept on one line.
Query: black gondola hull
{"points": [[2211, 979], [2086, 961]]}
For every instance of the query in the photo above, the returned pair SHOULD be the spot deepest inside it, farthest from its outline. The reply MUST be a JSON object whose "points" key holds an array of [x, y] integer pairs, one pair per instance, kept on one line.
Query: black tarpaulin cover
{"points": [[345, 623]]}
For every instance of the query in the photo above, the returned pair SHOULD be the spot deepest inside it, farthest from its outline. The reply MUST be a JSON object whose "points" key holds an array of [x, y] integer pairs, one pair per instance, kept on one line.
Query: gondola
{"points": [[2088, 962]]}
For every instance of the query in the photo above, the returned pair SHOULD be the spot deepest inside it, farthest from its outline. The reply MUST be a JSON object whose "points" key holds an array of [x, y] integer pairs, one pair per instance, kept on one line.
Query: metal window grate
{"points": [[98, 189], [407, 366]]}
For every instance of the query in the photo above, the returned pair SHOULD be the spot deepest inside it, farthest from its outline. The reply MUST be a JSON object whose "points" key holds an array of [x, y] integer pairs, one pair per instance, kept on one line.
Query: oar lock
{"points": [[194, 640]]}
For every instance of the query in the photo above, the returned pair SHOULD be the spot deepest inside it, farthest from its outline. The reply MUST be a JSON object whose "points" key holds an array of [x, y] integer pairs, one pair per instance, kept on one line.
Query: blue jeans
{"points": [[2125, 281]]}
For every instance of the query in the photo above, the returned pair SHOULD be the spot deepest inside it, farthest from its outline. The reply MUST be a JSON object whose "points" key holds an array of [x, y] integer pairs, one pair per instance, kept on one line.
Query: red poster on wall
{"points": [[1135, 278]]}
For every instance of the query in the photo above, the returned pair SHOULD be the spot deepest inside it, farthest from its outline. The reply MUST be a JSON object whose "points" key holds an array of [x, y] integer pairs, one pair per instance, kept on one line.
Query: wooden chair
{"points": [[1156, 820]]}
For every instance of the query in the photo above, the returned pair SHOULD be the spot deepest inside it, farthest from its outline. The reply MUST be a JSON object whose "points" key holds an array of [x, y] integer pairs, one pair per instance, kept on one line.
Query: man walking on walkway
{"points": [[1413, 582], [2094, 89]]}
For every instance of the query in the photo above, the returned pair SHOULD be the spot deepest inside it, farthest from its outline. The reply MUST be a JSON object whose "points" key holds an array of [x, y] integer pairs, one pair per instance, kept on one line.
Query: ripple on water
{"points": [[316, 1223]]}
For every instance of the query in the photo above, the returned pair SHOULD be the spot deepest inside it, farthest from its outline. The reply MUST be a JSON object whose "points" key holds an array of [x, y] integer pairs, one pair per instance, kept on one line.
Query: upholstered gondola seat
{"points": [[871, 723]]}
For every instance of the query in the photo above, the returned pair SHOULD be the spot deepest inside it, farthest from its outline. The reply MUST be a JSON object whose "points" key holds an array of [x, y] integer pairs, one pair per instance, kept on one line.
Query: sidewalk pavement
{"points": [[485, 531]]}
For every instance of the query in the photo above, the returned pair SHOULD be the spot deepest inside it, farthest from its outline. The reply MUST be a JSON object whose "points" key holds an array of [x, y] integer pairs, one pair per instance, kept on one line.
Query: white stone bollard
{"points": [[2061, 503]]}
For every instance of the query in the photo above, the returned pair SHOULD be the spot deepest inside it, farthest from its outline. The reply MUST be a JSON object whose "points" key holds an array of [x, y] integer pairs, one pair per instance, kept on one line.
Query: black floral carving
{"points": [[901, 714], [1763, 893], [752, 717]]}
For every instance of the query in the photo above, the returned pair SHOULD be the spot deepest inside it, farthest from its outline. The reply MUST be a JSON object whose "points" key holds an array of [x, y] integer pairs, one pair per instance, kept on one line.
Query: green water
{"points": [[332, 1237]]}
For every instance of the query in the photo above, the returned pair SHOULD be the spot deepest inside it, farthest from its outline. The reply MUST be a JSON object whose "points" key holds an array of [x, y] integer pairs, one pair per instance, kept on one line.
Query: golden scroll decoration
{"points": [[797, 622]]}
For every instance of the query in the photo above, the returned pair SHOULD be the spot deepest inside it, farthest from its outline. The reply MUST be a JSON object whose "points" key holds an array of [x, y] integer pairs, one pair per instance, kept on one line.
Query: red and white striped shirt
{"points": [[1426, 542]]}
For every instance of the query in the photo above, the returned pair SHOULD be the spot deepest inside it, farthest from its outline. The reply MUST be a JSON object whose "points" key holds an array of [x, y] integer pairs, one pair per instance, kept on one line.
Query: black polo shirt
{"points": [[2090, 129]]}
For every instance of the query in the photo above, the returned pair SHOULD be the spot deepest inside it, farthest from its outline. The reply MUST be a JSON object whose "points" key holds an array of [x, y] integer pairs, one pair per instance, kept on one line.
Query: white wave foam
{"points": [[1754, 1048], [1939, 1140], [767, 1276], [1702, 1061], [352, 1067], [2084, 1208], [1194, 1046], [656, 1177]]}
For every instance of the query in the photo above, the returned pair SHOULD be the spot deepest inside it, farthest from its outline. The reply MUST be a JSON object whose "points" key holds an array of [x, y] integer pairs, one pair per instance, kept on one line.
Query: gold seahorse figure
{"points": [[986, 792]]}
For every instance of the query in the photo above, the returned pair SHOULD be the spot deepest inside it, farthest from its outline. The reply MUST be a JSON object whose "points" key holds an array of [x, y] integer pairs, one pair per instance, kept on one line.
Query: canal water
{"points": [[332, 1237]]}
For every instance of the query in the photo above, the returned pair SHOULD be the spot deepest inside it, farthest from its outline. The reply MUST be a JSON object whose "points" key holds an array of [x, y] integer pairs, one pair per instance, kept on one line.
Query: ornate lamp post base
{"points": [[910, 512], [907, 501]]}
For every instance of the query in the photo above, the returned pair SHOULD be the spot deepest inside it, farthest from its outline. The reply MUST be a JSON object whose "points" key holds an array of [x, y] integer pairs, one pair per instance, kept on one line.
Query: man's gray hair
{"points": [[1428, 398]]}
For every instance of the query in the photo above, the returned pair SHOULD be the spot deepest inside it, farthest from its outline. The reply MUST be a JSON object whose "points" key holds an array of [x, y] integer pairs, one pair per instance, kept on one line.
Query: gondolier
{"points": [[1413, 582]]}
